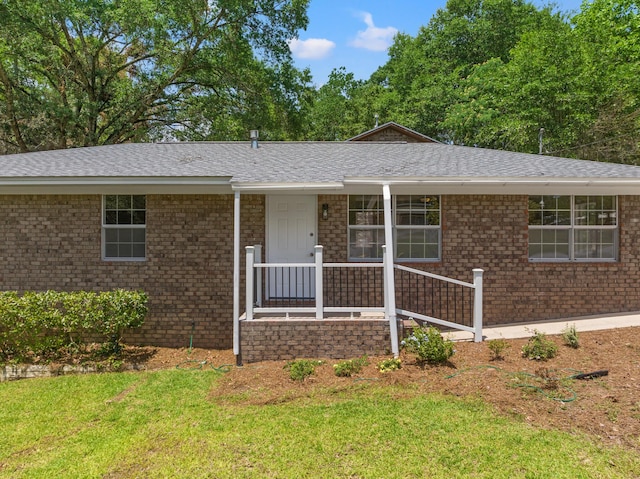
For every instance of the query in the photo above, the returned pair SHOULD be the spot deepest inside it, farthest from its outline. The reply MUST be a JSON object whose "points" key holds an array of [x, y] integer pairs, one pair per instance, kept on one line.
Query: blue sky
{"points": [[356, 33]]}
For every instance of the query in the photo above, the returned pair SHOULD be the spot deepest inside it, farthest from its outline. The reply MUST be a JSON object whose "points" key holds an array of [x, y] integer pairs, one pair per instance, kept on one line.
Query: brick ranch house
{"points": [[276, 248]]}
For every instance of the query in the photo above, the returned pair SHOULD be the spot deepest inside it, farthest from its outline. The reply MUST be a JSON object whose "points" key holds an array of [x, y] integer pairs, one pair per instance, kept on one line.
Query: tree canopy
{"points": [[505, 74], [492, 73], [90, 72]]}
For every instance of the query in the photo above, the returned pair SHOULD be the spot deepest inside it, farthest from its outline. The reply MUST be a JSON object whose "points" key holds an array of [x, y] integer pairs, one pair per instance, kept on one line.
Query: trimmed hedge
{"points": [[41, 323]]}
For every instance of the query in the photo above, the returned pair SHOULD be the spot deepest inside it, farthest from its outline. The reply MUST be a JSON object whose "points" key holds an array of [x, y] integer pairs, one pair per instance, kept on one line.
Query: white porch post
{"points": [[319, 292], [249, 282], [258, 276], [477, 305], [390, 299], [236, 273]]}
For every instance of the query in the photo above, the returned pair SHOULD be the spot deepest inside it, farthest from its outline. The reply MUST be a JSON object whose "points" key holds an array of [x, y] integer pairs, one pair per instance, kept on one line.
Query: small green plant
{"points": [[570, 336], [429, 345], [388, 365], [301, 369], [349, 367], [539, 347], [498, 347]]}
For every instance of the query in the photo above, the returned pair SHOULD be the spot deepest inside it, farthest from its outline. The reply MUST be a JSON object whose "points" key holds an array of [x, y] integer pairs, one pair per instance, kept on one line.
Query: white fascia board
{"points": [[112, 185], [499, 186], [285, 188]]}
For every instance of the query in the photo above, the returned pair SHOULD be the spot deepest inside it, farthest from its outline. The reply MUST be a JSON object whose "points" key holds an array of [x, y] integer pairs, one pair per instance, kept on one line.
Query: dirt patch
{"points": [[541, 393]]}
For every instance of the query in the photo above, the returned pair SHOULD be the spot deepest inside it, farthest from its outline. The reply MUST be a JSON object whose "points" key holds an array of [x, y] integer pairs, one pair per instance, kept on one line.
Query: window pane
{"points": [[535, 218], [417, 251], [403, 250], [111, 235], [138, 235], [111, 202], [138, 251], [124, 235], [535, 236], [139, 202], [125, 251], [124, 217], [124, 202], [431, 251], [366, 244], [535, 251], [111, 250], [139, 217], [111, 218]]}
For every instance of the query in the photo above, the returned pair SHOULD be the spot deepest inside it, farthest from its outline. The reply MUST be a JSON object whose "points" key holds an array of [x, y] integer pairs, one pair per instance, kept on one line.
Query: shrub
{"points": [[570, 336], [388, 365], [497, 347], [301, 369], [539, 347], [46, 323], [349, 367], [429, 345]]}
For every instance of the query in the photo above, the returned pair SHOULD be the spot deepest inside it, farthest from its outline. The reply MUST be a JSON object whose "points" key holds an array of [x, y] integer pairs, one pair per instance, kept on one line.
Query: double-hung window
{"points": [[573, 228], [124, 219], [416, 227]]}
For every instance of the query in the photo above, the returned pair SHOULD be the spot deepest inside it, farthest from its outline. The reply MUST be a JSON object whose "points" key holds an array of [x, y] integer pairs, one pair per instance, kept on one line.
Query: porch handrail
{"points": [[389, 307], [434, 276], [477, 287]]}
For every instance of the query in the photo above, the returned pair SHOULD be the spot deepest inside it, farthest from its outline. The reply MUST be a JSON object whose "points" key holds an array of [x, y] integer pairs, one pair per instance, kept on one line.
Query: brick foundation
{"points": [[273, 339]]}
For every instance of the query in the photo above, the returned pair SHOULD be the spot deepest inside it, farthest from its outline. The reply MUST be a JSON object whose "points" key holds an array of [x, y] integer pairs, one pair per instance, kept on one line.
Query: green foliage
{"points": [[169, 424], [429, 345], [498, 347], [539, 347], [388, 365], [41, 324], [349, 367], [80, 73], [301, 369], [570, 336]]}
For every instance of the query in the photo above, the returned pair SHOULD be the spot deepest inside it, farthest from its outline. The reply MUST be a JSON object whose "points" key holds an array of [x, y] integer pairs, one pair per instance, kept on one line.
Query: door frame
{"points": [[269, 225]]}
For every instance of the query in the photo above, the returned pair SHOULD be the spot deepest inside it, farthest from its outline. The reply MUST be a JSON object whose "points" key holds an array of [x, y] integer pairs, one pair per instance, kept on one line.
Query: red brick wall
{"points": [[290, 339], [491, 232], [54, 242]]}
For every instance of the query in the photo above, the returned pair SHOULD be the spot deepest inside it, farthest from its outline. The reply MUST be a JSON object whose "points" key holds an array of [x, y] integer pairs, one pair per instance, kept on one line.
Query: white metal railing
{"points": [[256, 300], [258, 293], [476, 286]]}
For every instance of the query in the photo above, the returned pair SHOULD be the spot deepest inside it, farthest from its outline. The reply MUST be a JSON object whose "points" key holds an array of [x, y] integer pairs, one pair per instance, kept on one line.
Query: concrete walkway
{"points": [[525, 330]]}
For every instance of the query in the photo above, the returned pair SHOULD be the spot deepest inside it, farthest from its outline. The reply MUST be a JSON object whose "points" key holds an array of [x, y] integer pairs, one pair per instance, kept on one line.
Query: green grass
{"points": [[162, 424]]}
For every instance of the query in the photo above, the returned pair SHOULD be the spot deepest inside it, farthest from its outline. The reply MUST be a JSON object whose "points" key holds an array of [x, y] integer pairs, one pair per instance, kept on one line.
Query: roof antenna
{"points": [[376, 117], [540, 135]]}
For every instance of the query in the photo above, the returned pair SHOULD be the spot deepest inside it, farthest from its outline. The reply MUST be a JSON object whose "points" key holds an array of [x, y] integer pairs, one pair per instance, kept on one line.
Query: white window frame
{"points": [[379, 229], [573, 229], [108, 227]]}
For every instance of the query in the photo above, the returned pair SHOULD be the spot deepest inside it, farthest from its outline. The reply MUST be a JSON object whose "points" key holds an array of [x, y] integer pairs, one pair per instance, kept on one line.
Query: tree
{"points": [[90, 72], [609, 33], [426, 72]]}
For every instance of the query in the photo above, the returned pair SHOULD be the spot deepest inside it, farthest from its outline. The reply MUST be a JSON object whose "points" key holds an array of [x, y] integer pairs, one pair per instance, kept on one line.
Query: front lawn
{"points": [[167, 424]]}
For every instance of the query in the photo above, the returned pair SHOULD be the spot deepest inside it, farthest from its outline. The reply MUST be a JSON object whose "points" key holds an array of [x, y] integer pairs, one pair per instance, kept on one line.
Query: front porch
{"points": [[286, 308], [345, 310]]}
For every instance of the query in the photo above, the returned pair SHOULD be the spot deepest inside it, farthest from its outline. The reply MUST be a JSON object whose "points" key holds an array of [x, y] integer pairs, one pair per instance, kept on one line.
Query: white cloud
{"points": [[313, 48], [373, 38]]}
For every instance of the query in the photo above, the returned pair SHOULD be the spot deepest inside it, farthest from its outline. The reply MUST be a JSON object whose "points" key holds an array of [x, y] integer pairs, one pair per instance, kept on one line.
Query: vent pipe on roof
{"points": [[254, 139], [376, 117]]}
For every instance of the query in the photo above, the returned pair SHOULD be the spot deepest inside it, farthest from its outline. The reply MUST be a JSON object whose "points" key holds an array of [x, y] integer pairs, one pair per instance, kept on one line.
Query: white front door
{"points": [[291, 236]]}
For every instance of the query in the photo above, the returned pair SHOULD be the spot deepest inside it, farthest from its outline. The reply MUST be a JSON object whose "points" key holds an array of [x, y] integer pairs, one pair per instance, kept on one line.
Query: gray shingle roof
{"points": [[301, 162]]}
